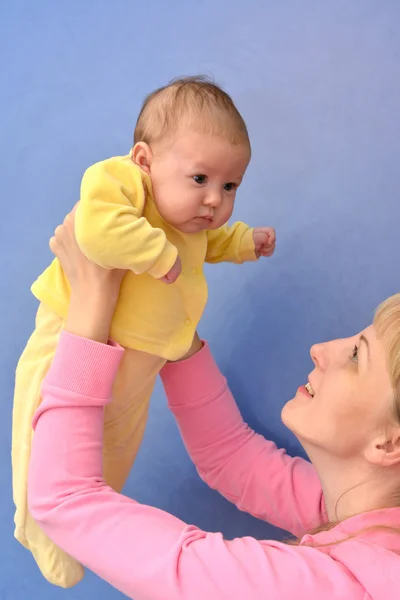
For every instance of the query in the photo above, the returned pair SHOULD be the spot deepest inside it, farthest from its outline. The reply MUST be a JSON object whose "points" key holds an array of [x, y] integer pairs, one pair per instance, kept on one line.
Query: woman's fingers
{"points": [[58, 232], [64, 237], [53, 244], [82, 274]]}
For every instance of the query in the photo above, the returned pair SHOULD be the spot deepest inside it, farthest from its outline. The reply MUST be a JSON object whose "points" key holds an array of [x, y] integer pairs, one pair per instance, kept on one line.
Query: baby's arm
{"points": [[231, 244], [109, 225]]}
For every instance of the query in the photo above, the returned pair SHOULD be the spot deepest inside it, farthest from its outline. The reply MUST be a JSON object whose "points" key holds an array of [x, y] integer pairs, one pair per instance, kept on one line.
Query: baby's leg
{"points": [[126, 416], [56, 566]]}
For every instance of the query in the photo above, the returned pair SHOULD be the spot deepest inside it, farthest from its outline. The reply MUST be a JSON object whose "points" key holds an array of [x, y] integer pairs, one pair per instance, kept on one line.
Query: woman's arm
{"points": [[144, 552], [247, 469]]}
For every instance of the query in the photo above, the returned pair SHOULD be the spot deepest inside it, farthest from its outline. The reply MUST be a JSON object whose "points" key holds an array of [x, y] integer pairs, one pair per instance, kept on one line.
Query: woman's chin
{"points": [[292, 415], [286, 414]]}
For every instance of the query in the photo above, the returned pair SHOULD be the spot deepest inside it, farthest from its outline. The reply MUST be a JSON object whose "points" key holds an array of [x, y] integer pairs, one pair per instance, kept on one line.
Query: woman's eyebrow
{"points": [[366, 342]]}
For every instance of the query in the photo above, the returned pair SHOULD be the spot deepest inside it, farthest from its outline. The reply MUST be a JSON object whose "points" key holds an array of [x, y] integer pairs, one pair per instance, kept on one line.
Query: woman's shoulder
{"points": [[368, 547]]}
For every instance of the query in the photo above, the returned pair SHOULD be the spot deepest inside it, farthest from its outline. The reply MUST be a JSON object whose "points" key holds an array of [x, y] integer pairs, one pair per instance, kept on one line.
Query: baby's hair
{"points": [[195, 102]]}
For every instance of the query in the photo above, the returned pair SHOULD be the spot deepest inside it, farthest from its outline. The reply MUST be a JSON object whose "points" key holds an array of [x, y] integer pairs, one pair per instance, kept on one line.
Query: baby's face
{"points": [[195, 177]]}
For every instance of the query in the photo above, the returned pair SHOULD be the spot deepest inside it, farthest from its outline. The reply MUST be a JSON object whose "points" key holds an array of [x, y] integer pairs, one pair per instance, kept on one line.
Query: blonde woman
{"points": [[343, 509]]}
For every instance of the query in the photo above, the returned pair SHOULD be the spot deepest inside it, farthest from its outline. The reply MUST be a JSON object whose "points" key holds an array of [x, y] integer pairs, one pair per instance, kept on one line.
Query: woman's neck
{"points": [[351, 488]]}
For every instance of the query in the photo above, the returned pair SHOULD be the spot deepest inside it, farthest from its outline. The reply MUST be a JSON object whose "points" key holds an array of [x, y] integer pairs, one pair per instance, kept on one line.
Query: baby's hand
{"points": [[264, 241], [173, 273]]}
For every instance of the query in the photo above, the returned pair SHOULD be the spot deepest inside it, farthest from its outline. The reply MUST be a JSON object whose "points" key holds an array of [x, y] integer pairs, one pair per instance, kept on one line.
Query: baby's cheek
{"points": [[225, 215]]}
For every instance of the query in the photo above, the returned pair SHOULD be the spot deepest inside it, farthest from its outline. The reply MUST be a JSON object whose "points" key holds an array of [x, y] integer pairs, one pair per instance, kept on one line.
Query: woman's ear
{"points": [[142, 156], [385, 451]]}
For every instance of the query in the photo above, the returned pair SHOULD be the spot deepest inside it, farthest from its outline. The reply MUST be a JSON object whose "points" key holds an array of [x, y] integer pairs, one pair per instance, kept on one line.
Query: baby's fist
{"points": [[173, 273], [264, 241]]}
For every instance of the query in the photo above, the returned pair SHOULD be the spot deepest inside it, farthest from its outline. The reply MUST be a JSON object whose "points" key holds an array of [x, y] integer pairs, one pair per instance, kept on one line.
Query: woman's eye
{"points": [[200, 179], [354, 354], [228, 187]]}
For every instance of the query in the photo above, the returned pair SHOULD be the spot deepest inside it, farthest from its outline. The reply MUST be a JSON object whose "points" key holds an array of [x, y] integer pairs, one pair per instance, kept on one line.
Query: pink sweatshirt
{"points": [[149, 554]]}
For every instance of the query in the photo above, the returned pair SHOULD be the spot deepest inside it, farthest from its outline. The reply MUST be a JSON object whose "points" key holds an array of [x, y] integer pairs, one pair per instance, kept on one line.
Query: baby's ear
{"points": [[142, 156]]}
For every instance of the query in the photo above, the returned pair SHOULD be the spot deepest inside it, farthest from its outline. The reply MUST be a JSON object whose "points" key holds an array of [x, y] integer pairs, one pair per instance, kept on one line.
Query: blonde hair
{"points": [[387, 327], [190, 101]]}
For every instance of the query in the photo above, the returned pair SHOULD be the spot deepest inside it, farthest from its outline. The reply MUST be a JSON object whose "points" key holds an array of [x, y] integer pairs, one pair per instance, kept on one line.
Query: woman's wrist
{"points": [[90, 315], [196, 346]]}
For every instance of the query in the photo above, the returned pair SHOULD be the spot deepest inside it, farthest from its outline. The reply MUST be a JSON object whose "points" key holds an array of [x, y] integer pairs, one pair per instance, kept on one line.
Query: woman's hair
{"points": [[387, 328]]}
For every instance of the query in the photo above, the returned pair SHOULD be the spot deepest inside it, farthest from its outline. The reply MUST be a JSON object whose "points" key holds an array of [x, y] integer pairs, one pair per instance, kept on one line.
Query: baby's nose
{"points": [[214, 199]]}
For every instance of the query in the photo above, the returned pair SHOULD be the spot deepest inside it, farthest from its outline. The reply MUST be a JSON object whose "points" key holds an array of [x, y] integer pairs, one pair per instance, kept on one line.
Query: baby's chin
{"points": [[194, 226]]}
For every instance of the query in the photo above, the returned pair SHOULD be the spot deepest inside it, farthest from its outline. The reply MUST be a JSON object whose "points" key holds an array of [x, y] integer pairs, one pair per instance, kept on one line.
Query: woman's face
{"points": [[351, 399]]}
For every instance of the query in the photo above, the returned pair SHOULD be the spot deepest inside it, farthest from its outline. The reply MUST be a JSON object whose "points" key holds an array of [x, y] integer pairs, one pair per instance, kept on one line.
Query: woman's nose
{"points": [[319, 355]]}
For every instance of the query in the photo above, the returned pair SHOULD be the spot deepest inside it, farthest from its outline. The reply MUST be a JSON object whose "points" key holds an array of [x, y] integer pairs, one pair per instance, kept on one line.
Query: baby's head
{"points": [[192, 141]]}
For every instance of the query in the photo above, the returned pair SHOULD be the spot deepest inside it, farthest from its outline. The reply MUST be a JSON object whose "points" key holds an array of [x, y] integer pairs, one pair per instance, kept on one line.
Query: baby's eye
{"points": [[354, 355], [228, 187], [200, 179]]}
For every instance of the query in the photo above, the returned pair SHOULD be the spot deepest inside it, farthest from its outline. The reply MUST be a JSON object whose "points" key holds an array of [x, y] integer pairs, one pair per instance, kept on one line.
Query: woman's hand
{"points": [[94, 290]]}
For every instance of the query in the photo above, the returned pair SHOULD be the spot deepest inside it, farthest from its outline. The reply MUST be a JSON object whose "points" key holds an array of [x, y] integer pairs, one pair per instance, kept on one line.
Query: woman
{"points": [[347, 420]]}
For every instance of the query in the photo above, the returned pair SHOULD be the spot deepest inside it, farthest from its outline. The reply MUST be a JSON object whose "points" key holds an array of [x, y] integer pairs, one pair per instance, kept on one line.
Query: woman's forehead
{"points": [[377, 353]]}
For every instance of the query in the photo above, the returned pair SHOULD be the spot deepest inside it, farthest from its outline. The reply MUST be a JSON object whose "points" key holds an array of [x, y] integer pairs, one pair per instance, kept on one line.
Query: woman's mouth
{"points": [[309, 389]]}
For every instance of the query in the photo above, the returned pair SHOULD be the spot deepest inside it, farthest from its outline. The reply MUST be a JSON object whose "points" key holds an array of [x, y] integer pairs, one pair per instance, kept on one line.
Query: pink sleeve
{"points": [[144, 552], [244, 467]]}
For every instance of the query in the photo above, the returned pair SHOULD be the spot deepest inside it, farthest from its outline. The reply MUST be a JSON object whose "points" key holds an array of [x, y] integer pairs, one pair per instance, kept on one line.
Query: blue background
{"points": [[318, 84]]}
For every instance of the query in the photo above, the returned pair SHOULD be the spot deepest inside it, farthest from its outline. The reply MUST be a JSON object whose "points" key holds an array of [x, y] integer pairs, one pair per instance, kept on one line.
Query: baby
{"points": [[159, 213]]}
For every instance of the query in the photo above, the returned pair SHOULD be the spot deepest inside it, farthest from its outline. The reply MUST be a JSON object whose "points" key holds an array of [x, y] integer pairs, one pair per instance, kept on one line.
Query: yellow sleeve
{"points": [[109, 226], [230, 244]]}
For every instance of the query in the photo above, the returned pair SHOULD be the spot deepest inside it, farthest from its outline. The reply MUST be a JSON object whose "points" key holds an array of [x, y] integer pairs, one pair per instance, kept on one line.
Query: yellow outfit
{"points": [[118, 226]]}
